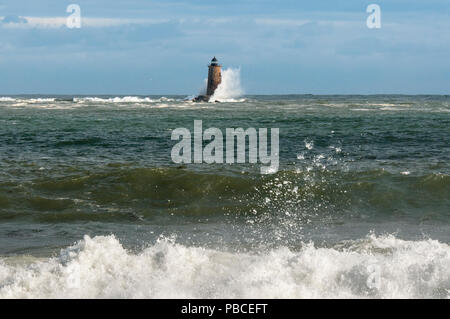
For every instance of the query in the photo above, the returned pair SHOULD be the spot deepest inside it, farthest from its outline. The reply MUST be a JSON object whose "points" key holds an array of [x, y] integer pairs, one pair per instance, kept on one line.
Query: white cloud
{"points": [[58, 22], [282, 22]]}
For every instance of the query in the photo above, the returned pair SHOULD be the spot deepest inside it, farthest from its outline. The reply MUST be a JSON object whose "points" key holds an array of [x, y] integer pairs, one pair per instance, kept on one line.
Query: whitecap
{"points": [[100, 267]]}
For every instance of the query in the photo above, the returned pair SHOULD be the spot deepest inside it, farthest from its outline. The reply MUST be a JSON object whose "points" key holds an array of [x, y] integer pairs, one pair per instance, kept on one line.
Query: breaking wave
{"points": [[93, 99], [27, 100], [230, 90], [6, 99], [125, 99], [100, 267]]}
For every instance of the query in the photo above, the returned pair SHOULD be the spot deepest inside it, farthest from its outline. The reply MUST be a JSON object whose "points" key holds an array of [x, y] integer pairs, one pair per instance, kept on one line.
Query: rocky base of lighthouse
{"points": [[202, 98]]}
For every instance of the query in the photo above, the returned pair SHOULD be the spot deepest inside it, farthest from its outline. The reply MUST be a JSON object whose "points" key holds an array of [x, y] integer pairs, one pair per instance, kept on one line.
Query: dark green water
{"points": [[356, 171]]}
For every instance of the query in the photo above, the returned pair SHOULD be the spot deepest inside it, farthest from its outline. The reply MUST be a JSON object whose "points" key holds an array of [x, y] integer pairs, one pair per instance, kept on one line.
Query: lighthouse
{"points": [[214, 79], [214, 76]]}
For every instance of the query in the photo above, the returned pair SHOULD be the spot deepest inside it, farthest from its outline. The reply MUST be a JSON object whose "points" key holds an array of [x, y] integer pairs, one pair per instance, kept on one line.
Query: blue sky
{"points": [[282, 47]]}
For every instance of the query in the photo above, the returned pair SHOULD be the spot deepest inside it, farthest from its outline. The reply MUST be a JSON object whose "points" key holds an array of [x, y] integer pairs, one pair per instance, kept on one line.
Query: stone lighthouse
{"points": [[214, 79], [214, 76]]}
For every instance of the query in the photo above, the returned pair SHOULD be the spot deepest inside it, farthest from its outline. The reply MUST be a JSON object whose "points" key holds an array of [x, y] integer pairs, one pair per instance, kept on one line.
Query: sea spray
{"points": [[100, 267], [202, 90], [230, 89]]}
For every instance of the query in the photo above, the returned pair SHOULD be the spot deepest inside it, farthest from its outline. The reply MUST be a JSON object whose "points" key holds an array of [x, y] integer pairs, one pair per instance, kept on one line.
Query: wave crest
{"points": [[230, 90], [100, 267]]}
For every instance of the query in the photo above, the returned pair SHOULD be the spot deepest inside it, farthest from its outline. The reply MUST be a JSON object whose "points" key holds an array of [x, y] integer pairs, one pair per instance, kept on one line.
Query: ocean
{"points": [[92, 205]]}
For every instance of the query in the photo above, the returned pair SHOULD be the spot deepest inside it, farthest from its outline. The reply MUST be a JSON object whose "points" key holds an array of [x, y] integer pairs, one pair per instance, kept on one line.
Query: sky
{"points": [[131, 47]]}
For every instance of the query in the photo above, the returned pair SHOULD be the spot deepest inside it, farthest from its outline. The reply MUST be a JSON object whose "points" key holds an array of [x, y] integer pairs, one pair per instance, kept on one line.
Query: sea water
{"points": [[91, 204]]}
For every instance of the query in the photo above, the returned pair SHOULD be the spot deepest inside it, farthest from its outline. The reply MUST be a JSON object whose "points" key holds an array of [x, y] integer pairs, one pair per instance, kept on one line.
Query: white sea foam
{"points": [[27, 100], [230, 89], [364, 110], [39, 100], [390, 105], [309, 144], [391, 108], [124, 99], [99, 267], [7, 99]]}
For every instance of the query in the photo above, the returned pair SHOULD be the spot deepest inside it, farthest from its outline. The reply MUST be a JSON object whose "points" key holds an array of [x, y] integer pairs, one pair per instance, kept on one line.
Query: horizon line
{"points": [[244, 95]]}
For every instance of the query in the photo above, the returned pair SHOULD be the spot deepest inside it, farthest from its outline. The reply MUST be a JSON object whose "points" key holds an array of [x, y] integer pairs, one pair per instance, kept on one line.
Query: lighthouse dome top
{"points": [[214, 61]]}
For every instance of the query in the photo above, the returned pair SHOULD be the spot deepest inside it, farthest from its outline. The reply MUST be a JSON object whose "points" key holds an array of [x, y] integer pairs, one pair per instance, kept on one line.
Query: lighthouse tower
{"points": [[214, 77]]}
